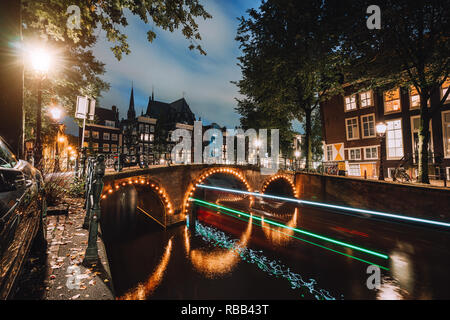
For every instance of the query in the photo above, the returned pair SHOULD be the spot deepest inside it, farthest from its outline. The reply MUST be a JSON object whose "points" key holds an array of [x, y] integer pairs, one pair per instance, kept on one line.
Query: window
{"points": [[368, 125], [114, 148], [329, 153], [105, 147], [110, 123], [141, 127], [352, 128], [394, 139], [95, 146], [414, 98], [366, 99], [152, 128], [86, 133], [147, 128], [446, 132], [105, 135], [354, 154], [447, 170], [392, 101], [95, 134], [370, 153], [151, 137], [350, 103], [354, 170], [114, 136], [444, 89]]}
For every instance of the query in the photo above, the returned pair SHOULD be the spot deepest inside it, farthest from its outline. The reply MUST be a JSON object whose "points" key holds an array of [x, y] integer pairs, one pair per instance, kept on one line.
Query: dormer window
{"points": [[366, 99]]}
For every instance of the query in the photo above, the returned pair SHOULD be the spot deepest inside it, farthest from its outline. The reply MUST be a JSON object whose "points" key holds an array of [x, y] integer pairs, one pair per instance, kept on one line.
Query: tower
{"points": [[131, 114]]}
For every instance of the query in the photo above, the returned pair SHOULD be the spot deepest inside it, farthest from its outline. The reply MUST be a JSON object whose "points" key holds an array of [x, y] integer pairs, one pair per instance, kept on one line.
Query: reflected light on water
{"points": [[143, 290], [277, 235], [218, 262]]}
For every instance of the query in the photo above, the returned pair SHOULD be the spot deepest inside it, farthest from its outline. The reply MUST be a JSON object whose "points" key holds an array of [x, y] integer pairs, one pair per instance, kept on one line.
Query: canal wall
{"points": [[407, 199]]}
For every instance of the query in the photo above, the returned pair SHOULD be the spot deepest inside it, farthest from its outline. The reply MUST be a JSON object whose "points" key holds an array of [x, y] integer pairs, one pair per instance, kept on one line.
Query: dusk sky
{"points": [[171, 68]]}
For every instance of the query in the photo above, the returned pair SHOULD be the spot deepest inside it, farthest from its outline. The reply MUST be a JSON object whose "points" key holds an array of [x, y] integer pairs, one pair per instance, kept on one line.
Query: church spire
{"points": [[131, 112]]}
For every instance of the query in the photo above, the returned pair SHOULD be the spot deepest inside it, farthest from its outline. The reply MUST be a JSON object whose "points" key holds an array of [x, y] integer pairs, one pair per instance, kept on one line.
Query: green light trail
{"points": [[348, 245], [310, 242]]}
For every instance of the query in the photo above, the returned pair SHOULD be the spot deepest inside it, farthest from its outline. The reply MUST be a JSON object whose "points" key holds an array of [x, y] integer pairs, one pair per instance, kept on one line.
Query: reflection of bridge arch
{"points": [[141, 184], [277, 178], [204, 175]]}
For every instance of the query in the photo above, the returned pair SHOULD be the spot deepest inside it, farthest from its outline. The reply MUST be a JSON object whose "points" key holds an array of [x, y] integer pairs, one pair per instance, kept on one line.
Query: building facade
{"points": [[351, 143], [104, 135]]}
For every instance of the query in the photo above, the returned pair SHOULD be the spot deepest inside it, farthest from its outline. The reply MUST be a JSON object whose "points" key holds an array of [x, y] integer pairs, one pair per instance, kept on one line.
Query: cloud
{"points": [[169, 66]]}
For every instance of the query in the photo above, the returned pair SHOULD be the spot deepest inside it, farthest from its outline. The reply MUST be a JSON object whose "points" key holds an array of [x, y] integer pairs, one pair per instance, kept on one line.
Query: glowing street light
{"points": [[40, 61], [56, 113]]}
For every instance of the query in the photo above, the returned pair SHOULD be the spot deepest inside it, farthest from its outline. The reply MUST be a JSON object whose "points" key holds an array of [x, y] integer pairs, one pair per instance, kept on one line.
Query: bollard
{"points": [[91, 255]]}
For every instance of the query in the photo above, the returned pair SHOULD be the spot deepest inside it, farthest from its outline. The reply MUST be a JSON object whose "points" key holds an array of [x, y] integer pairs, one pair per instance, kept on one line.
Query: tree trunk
{"points": [[11, 80], [424, 139], [307, 144]]}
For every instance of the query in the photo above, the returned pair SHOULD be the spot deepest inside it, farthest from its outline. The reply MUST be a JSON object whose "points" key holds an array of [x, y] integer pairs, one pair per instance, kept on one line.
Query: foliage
{"points": [[75, 71], [76, 187], [289, 59], [412, 48]]}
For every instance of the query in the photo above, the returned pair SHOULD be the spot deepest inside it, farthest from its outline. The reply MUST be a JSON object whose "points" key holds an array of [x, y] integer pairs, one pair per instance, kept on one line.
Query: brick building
{"points": [[351, 142], [104, 134]]}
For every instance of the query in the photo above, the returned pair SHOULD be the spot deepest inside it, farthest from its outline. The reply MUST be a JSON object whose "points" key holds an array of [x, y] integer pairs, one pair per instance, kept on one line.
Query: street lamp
{"points": [[40, 61], [381, 131]]}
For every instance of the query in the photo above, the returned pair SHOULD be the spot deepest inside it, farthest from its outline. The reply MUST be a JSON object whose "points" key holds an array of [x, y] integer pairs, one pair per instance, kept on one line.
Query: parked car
{"points": [[22, 216]]}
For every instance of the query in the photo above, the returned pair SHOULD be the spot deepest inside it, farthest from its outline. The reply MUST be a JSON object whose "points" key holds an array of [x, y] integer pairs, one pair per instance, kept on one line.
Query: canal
{"points": [[243, 247]]}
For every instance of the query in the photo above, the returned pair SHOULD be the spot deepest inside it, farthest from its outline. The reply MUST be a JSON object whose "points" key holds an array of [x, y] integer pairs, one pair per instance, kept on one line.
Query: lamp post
{"points": [[40, 61], [297, 155], [56, 114], [381, 132]]}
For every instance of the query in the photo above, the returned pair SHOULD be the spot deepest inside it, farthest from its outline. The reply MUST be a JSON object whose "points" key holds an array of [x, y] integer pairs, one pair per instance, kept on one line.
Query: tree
{"points": [[262, 116], [79, 71], [290, 61], [412, 48]]}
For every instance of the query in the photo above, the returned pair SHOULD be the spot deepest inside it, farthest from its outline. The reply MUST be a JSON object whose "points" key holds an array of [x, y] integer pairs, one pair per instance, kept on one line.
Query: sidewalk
{"points": [[67, 278]]}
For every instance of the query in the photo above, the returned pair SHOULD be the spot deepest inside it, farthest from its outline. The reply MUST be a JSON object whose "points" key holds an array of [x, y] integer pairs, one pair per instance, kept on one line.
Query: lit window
{"points": [[105, 135], [444, 89], [350, 103], [95, 134], [114, 136], [105, 147], [446, 132], [352, 128], [110, 123], [394, 139], [414, 98], [86, 133], [114, 148], [368, 126], [354, 170], [95, 146], [366, 99], [392, 101]]}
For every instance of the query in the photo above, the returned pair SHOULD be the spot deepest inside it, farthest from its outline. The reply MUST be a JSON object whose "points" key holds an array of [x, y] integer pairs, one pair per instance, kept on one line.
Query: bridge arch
{"points": [[239, 174], [279, 179], [142, 183]]}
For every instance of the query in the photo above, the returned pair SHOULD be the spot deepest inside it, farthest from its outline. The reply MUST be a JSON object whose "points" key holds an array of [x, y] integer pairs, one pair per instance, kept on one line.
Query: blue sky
{"points": [[171, 68]]}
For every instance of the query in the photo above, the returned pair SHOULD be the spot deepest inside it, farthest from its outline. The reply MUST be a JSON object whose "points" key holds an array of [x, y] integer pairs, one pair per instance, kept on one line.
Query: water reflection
{"points": [[221, 261], [277, 235], [143, 290]]}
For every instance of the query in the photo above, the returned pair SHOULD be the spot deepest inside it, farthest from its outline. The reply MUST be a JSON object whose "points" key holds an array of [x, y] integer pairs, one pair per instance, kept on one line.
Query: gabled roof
{"points": [[175, 112]]}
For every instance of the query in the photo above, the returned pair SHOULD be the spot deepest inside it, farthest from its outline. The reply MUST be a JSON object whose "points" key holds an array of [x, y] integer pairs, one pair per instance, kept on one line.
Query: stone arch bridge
{"points": [[175, 184]]}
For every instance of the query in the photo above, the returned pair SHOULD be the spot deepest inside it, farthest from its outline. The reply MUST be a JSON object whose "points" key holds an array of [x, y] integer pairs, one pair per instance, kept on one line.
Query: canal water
{"points": [[240, 247]]}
